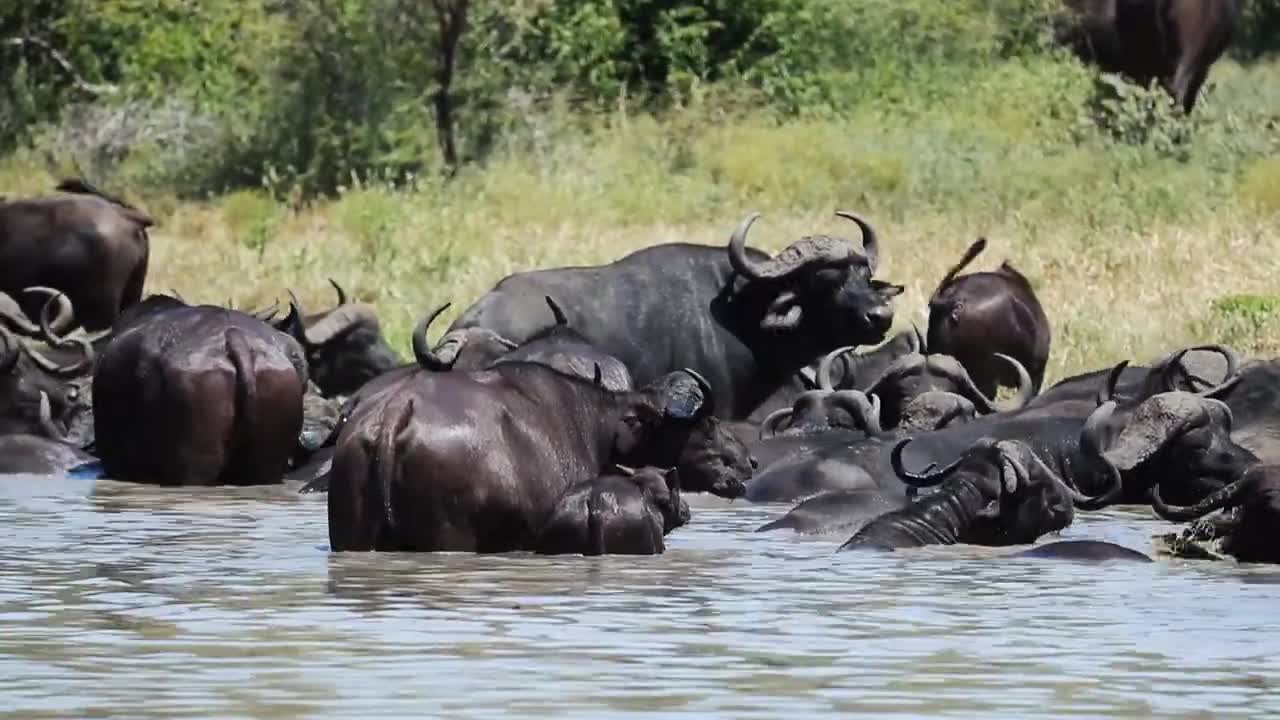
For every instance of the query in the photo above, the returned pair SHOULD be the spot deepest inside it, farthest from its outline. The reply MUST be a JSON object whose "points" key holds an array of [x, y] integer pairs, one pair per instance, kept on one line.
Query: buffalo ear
{"points": [[683, 399], [634, 427], [784, 313]]}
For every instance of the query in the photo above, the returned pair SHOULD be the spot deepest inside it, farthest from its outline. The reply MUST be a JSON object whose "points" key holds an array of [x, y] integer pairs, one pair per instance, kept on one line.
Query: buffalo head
{"points": [[673, 419], [913, 375], [37, 395], [662, 489], [817, 293], [344, 346]]}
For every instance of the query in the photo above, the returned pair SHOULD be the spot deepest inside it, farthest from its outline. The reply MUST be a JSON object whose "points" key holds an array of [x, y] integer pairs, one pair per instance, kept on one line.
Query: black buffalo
{"points": [[562, 348], [976, 316], [1172, 41], [197, 395], [911, 376], [87, 244], [477, 460], [344, 345], [38, 455], [997, 493], [744, 320], [1250, 531], [623, 513]]}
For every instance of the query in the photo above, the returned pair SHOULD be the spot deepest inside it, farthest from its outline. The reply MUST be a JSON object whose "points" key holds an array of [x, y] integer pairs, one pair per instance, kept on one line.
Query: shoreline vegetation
{"points": [[1142, 231]]}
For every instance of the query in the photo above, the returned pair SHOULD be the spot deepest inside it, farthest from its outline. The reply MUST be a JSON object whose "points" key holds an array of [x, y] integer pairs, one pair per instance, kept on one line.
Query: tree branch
{"points": [[61, 61]]}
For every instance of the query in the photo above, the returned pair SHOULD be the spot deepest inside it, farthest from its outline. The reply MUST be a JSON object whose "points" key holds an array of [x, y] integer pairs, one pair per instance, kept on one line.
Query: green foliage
{"points": [[1258, 31], [1260, 185], [1250, 323], [252, 217]]}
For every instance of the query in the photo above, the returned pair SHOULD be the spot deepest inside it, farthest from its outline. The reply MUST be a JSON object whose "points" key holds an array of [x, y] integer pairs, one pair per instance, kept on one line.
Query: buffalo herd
{"points": [[572, 410]]}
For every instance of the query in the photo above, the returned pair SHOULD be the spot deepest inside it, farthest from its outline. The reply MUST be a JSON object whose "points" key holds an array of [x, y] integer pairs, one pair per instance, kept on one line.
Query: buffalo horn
{"points": [[427, 357], [824, 367], [45, 418], [738, 249], [708, 398], [65, 319], [863, 407], [44, 363], [1182, 513], [928, 477], [556, 312], [342, 294], [338, 321], [870, 242], [769, 428], [1091, 444], [1231, 377]]}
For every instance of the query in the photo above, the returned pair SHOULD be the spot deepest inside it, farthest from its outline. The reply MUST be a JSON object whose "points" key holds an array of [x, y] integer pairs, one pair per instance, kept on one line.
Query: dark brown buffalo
{"points": [[623, 513], [972, 317], [344, 345], [197, 395], [1172, 41], [476, 461], [82, 242]]}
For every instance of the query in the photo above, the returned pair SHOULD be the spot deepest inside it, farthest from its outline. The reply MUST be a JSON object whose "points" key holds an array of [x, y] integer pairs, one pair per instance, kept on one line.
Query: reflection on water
{"points": [[148, 602]]}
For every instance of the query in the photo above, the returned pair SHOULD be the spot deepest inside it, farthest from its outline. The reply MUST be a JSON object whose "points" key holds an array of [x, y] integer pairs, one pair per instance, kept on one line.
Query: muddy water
{"points": [[119, 600]]}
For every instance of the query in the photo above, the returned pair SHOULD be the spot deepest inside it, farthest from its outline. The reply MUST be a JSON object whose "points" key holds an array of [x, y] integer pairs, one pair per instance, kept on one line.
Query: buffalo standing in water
{"points": [[197, 395], [477, 460]]}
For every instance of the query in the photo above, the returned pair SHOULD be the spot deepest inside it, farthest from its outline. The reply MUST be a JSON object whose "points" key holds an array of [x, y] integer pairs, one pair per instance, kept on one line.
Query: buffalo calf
{"points": [[627, 513]]}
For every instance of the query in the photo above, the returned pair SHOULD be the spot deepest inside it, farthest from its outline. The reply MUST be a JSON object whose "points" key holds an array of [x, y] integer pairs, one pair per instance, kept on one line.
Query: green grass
{"points": [[1132, 247]]}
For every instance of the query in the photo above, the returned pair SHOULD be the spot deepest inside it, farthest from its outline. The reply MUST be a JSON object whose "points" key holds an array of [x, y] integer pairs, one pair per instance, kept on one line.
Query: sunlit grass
{"points": [[1132, 252]]}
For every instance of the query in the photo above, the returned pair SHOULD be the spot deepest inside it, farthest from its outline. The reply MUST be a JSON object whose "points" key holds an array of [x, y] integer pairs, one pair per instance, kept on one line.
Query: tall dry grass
{"points": [[1134, 249]]}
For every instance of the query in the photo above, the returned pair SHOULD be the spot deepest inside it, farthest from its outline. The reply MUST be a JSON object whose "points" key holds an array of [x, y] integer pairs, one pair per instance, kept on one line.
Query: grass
{"points": [[1134, 249]]}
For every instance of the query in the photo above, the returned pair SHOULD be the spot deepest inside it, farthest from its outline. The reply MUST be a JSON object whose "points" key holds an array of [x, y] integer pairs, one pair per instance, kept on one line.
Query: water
{"points": [[122, 600]]}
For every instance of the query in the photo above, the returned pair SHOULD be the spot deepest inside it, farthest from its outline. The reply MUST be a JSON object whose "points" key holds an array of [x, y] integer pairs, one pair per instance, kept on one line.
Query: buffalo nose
{"points": [[880, 317]]}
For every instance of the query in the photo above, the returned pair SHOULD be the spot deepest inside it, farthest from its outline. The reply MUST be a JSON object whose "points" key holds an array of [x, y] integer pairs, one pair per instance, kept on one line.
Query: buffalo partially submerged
{"points": [[562, 348], [197, 395], [997, 493], [1172, 41], [744, 320], [623, 513], [911, 376], [477, 460], [344, 345], [87, 244], [978, 316], [1251, 530]]}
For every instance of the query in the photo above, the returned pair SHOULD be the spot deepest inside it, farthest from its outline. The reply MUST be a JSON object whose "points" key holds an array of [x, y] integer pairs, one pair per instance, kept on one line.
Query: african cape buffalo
{"points": [[90, 246], [977, 316], [344, 345], [744, 320], [477, 460], [197, 395], [623, 513], [1250, 530], [1173, 41]]}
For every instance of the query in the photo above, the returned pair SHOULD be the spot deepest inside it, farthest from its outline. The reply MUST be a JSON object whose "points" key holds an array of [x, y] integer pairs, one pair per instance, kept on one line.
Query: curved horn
{"points": [[708, 398], [44, 363], [738, 249], [269, 313], [903, 365], [870, 242], [1182, 513], [338, 321], [1091, 444], [824, 367], [9, 356], [556, 312], [1026, 388], [1107, 392], [65, 319], [928, 477], [625, 470], [769, 428], [427, 358], [808, 378], [1232, 375], [342, 294], [865, 409]]}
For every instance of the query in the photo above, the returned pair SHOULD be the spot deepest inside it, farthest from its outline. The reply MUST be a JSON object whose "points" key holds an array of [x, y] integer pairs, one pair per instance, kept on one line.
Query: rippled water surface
{"points": [[133, 601]]}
